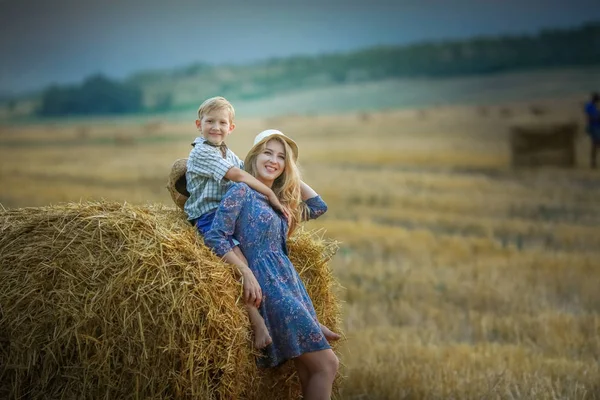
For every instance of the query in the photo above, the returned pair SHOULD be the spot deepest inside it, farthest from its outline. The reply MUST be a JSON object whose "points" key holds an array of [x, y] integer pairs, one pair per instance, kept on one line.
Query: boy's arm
{"points": [[238, 175]]}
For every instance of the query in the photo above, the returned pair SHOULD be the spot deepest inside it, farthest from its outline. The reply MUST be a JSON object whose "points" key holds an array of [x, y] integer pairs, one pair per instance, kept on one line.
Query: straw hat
{"points": [[269, 134], [177, 183]]}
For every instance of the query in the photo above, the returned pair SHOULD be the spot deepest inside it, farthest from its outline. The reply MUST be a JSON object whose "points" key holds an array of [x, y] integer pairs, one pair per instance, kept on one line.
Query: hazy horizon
{"points": [[66, 40]]}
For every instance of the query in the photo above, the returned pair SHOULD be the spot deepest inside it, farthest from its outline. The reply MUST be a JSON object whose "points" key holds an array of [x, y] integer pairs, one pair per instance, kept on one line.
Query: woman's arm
{"points": [[222, 228], [314, 203], [252, 290]]}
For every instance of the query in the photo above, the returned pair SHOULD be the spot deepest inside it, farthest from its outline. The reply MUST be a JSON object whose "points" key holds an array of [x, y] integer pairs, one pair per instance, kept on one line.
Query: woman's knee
{"points": [[321, 361], [331, 363], [337, 363]]}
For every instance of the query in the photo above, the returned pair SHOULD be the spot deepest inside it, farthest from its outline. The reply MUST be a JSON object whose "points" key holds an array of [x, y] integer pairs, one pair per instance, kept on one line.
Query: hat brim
{"points": [[288, 140], [177, 183]]}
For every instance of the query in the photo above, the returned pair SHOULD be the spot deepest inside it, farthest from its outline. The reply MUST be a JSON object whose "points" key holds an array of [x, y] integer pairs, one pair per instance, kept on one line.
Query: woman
{"points": [[288, 313]]}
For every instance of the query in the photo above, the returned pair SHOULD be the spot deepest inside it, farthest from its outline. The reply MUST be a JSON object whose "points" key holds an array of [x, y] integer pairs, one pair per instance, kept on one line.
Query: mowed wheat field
{"points": [[461, 277]]}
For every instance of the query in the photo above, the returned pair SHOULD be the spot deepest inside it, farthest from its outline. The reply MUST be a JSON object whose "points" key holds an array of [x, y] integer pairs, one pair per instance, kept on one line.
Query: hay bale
{"points": [[364, 116], [82, 132], [537, 110], [122, 139], [505, 112], [483, 111], [152, 127], [109, 300], [543, 144]]}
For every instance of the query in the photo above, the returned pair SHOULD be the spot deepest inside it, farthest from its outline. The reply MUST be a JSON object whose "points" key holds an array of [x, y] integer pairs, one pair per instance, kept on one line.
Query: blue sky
{"points": [[61, 41]]}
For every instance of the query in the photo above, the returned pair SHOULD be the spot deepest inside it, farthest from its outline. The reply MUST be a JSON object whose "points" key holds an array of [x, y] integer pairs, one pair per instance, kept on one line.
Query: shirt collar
{"points": [[222, 147]]}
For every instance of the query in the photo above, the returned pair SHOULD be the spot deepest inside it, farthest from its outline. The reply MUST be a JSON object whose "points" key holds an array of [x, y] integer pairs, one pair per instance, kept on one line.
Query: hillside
{"points": [[483, 55], [181, 88]]}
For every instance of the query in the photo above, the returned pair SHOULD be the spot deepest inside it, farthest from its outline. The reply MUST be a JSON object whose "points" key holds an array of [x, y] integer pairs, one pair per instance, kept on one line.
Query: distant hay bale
{"points": [[364, 116], [537, 110], [82, 132], [122, 139], [543, 144], [483, 111], [505, 112], [152, 127], [115, 301]]}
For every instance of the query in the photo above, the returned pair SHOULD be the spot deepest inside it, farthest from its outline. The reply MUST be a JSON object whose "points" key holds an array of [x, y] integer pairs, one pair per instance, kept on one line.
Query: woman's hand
{"points": [[278, 206], [252, 290]]}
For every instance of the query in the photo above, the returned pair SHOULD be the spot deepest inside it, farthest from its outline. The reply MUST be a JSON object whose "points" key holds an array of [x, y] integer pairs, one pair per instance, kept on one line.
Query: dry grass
{"points": [[462, 277], [111, 300]]}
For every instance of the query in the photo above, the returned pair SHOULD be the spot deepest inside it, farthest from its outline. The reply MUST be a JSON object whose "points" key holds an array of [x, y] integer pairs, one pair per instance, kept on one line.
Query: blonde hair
{"points": [[287, 185], [216, 103]]}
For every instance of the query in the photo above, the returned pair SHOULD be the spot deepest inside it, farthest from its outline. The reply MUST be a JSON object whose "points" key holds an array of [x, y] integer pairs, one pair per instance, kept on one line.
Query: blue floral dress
{"points": [[286, 308]]}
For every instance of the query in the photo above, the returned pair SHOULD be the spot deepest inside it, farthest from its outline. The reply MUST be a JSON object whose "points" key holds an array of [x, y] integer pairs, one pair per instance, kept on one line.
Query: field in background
{"points": [[462, 277], [492, 89]]}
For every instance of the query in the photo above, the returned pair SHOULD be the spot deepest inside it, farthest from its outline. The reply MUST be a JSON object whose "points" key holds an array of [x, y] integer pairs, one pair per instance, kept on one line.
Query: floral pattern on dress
{"points": [[286, 307]]}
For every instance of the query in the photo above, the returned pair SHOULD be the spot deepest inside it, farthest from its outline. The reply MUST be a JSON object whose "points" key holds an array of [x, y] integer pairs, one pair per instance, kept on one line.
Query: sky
{"points": [[63, 41]]}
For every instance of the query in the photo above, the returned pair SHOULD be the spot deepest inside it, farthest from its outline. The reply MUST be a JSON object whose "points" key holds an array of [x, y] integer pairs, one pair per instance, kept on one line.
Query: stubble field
{"points": [[461, 277]]}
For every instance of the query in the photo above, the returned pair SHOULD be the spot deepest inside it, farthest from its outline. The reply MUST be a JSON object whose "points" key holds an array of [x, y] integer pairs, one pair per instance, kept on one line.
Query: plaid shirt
{"points": [[206, 182]]}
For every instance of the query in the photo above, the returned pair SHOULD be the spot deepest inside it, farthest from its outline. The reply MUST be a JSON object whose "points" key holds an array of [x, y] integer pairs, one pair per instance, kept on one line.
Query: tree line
{"points": [[96, 95], [579, 46]]}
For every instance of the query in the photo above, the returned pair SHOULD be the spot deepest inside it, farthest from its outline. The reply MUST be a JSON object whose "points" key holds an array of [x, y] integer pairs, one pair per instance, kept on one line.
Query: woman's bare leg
{"points": [[302, 374], [321, 367]]}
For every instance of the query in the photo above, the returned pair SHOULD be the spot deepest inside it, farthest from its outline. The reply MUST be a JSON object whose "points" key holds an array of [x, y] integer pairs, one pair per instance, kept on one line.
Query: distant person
{"points": [[593, 126]]}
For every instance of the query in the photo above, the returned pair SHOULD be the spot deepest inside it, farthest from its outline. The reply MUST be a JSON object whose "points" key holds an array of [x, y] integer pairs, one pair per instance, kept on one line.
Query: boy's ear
{"points": [[198, 122], [231, 127]]}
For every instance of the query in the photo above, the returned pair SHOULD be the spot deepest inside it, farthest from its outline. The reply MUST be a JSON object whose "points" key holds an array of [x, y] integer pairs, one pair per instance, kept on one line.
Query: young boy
{"points": [[211, 167]]}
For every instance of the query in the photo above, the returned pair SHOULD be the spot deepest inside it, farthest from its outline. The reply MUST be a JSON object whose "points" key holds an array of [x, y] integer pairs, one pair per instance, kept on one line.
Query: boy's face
{"points": [[215, 126]]}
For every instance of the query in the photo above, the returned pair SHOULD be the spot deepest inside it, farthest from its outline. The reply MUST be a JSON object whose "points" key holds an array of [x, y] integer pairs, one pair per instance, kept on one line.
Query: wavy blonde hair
{"points": [[287, 185]]}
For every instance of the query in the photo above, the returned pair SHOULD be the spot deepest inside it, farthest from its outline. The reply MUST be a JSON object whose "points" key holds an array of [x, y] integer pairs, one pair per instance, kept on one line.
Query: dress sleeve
{"points": [[316, 207], [205, 161], [223, 226]]}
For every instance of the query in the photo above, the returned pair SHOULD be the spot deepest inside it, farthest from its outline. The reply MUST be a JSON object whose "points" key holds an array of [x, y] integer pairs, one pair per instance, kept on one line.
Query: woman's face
{"points": [[270, 162]]}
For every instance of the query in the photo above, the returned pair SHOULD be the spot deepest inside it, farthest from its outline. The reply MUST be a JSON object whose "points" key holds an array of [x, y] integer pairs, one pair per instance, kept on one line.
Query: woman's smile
{"points": [[271, 162], [271, 168]]}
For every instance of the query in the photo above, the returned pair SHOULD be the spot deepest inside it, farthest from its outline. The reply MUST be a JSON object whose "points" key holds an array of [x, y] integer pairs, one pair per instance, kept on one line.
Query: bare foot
{"points": [[329, 335], [261, 337]]}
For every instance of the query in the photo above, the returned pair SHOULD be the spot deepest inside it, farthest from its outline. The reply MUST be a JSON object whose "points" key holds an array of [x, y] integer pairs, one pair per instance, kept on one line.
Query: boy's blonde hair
{"points": [[286, 187], [216, 103]]}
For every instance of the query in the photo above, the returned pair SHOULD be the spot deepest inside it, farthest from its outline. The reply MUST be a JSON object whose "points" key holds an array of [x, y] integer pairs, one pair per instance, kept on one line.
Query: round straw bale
{"points": [[110, 300]]}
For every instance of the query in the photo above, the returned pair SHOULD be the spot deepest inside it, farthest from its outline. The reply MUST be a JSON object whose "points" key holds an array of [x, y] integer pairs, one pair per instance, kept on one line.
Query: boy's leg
{"points": [[261, 334]]}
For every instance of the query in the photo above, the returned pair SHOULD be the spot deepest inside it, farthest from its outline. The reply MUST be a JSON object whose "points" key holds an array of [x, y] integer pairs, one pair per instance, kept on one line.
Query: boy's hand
{"points": [[278, 207], [252, 290]]}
